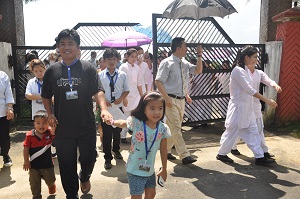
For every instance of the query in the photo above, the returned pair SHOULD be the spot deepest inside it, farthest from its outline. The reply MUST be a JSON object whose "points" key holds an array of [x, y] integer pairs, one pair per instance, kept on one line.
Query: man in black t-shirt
{"points": [[73, 83]]}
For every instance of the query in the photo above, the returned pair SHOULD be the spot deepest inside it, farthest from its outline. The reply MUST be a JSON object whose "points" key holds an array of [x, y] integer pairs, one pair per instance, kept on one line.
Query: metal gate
{"points": [[91, 35], [210, 99], [209, 90]]}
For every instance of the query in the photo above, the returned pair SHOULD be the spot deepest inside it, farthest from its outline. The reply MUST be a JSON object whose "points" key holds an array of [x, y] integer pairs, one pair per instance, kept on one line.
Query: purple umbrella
{"points": [[126, 39]]}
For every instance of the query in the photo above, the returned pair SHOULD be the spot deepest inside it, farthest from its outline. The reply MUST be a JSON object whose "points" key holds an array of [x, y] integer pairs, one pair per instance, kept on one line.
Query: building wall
{"points": [[289, 100], [12, 23], [270, 8], [272, 69]]}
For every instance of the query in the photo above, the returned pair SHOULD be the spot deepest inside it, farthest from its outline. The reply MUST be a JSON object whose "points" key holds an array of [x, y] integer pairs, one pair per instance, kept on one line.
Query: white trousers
{"points": [[250, 135], [260, 126], [124, 130]]}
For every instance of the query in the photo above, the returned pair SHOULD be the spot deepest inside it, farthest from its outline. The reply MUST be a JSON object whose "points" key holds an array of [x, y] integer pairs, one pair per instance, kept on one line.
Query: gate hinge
{"points": [[10, 61]]}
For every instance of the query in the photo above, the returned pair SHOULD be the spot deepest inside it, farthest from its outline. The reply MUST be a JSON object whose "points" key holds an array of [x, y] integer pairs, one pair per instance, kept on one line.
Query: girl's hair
{"points": [[36, 62], [139, 111], [242, 53], [130, 51]]}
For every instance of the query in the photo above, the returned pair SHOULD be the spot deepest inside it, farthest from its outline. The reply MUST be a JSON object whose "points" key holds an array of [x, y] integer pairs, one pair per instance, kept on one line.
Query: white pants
{"points": [[250, 135], [124, 130], [260, 126]]}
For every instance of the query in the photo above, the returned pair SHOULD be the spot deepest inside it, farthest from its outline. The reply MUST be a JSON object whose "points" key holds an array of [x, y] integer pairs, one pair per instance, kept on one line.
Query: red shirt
{"points": [[35, 144]]}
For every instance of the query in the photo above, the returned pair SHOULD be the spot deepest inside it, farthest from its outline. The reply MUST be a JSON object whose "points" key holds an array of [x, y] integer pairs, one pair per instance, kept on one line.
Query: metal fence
{"points": [[209, 90]]}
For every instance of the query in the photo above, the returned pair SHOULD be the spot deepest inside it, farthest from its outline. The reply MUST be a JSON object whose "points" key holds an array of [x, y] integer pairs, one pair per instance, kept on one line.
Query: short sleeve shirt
{"points": [[33, 88], [137, 152], [169, 73], [35, 144], [75, 117]]}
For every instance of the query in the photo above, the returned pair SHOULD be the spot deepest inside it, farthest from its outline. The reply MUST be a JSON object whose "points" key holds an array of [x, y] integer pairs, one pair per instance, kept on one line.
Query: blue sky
{"points": [[44, 19]]}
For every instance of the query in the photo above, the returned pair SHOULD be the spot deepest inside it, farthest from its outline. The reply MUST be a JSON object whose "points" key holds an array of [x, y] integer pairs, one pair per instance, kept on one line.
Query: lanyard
{"points": [[40, 84], [146, 144], [69, 72]]}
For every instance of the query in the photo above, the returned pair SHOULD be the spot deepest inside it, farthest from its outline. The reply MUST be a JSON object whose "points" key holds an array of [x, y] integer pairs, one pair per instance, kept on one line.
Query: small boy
{"points": [[37, 154], [116, 89]]}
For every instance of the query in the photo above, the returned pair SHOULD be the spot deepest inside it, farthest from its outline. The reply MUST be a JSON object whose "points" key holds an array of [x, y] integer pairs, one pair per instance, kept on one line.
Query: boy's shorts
{"points": [[137, 184]]}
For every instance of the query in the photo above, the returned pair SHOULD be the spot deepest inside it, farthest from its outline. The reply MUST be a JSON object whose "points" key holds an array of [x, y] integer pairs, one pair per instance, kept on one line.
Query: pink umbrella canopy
{"points": [[125, 39]]}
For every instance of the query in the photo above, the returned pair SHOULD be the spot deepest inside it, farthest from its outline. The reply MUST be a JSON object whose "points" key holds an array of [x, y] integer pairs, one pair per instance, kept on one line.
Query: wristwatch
{"points": [[10, 108]]}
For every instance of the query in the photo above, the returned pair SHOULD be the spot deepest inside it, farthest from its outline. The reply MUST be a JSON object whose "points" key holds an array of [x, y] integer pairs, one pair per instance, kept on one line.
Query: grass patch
{"points": [[292, 129]]}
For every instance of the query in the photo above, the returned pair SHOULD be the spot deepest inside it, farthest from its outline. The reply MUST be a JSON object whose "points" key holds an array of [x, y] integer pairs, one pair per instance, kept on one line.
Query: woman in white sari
{"points": [[240, 119]]}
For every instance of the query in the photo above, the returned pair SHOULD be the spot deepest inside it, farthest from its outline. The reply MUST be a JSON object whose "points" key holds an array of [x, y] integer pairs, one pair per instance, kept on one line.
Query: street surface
{"points": [[207, 178]]}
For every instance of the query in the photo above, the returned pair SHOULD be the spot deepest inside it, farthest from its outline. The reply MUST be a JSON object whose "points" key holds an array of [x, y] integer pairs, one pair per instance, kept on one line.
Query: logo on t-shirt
{"points": [[65, 82]]}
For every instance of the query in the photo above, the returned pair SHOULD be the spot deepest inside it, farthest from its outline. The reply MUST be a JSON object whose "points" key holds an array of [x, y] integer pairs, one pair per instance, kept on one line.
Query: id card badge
{"points": [[114, 93], [144, 167], [70, 95]]}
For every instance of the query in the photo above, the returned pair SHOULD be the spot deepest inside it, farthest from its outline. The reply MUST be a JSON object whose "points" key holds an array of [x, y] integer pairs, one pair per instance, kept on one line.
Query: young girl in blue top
{"points": [[149, 135]]}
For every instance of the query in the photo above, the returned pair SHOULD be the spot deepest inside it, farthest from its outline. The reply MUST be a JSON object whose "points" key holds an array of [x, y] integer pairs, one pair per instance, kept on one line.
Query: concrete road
{"points": [[207, 178]]}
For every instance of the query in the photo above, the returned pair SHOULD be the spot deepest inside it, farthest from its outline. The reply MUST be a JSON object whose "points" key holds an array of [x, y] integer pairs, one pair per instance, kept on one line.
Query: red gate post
{"points": [[288, 31]]}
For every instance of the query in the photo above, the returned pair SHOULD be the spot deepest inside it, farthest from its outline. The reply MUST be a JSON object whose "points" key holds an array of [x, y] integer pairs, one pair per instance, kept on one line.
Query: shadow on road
{"points": [[5, 176]]}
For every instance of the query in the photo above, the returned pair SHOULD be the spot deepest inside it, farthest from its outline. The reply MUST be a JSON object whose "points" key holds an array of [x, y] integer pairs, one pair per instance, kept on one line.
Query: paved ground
{"points": [[207, 178]]}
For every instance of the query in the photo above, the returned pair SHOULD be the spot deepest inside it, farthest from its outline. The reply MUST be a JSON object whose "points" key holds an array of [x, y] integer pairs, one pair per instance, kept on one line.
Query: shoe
{"points": [[171, 157], [118, 155], [52, 190], [264, 161], [7, 161], [268, 155], [224, 158], [188, 160], [235, 152], [54, 155], [124, 141], [107, 164], [85, 187]]}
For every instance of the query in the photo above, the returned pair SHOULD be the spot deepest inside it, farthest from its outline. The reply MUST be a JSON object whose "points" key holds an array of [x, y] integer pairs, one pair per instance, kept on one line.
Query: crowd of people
{"points": [[127, 102]]}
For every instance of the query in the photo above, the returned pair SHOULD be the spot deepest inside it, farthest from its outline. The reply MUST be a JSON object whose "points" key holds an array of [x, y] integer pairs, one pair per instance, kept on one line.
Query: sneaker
{"points": [[118, 155], [171, 157], [188, 160], [268, 155], [264, 161], [235, 152], [7, 161], [85, 187], [224, 158], [52, 190], [107, 164]]}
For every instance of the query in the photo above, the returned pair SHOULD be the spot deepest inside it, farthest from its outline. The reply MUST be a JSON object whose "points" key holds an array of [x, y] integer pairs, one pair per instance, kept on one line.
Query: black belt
{"points": [[176, 97]]}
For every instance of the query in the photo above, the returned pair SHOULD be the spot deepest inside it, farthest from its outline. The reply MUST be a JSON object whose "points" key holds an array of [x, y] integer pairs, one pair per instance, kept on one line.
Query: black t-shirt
{"points": [[75, 116]]}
